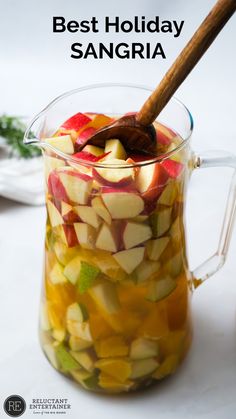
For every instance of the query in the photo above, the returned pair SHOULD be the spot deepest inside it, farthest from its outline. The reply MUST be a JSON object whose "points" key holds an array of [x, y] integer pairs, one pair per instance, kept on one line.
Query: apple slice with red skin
{"points": [[83, 137], [70, 235], [77, 185], [151, 180], [76, 121], [173, 168], [115, 176], [68, 214], [84, 155], [56, 188]]}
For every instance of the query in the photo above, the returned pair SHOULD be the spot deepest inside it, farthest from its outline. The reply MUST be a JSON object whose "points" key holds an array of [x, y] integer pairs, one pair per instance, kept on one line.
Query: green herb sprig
{"points": [[12, 131]]}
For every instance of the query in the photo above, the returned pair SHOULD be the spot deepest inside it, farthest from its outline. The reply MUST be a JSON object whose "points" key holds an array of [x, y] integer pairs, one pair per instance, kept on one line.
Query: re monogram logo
{"points": [[14, 406]]}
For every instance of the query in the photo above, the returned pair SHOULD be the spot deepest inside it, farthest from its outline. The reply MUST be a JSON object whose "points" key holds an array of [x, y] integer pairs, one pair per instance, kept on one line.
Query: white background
{"points": [[35, 66]]}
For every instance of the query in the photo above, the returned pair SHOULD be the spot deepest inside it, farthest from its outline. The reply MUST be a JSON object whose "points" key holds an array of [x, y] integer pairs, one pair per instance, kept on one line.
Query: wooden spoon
{"points": [[136, 132]]}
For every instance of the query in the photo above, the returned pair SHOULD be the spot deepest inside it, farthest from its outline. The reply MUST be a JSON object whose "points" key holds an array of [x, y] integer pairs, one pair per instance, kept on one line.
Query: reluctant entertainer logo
{"points": [[122, 50]]}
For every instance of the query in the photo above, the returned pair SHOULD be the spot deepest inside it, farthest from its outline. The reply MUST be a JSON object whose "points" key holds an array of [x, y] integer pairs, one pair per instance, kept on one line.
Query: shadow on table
{"points": [[8, 205]]}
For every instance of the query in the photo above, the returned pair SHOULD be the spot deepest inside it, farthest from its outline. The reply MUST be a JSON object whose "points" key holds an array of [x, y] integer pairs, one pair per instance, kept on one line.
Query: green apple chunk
{"points": [[160, 222], [77, 312], [156, 247], [65, 359], [86, 359], [81, 272], [56, 275], [158, 290], [142, 348], [63, 143], [146, 270], [88, 274], [86, 379], [169, 195], [143, 367], [105, 297], [115, 150], [129, 259]]}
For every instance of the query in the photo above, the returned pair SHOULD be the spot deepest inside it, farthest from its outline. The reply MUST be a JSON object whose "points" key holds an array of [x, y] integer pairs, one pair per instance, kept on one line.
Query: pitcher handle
{"points": [[216, 261]]}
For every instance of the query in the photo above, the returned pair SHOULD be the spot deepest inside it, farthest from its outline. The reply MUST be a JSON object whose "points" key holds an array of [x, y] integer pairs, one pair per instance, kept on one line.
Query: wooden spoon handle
{"points": [[186, 61]]}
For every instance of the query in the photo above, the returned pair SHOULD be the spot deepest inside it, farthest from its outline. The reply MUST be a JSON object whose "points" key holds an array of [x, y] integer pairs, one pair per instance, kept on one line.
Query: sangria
{"points": [[114, 310]]}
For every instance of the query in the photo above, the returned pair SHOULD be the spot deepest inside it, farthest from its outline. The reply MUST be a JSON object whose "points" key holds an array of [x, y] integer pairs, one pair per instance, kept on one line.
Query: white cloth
{"points": [[22, 180]]}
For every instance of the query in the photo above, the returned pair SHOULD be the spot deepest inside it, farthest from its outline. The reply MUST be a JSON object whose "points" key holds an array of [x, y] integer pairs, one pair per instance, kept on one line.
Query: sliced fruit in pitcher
{"points": [[113, 385], [76, 312], [122, 204], [79, 329], [86, 235], [105, 296], [111, 347], [50, 352], [65, 360], [82, 272], [78, 344], [143, 367], [117, 368], [54, 215], [151, 180], [156, 247], [76, 184], [76, 121], [62, 143], [101, 210], [167, 367], [116, 176], [142, 348], [85, 358], [129, 259], [160, 289], [168, 195], [115, 149], [56, 275], [63, 253], [107, 238], [88, 215], [88, 380], [146, 270], [160, 222], [135, 234]]}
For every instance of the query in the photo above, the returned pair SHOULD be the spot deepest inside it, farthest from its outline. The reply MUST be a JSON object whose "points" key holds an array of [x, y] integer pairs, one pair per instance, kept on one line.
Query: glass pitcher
{"points": [[115, 308]]}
